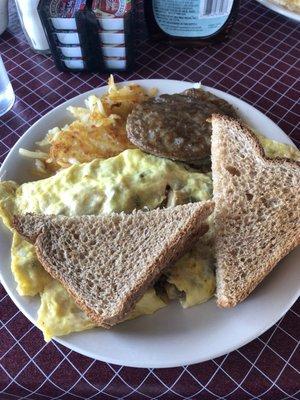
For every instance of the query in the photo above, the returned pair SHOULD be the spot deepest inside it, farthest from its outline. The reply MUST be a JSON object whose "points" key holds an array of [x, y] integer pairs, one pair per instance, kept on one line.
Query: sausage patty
{"points": [[175, 126]]}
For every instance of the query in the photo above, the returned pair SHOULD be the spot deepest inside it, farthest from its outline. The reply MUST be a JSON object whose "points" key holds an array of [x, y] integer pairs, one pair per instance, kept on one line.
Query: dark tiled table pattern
{"points": [[260, 64]]}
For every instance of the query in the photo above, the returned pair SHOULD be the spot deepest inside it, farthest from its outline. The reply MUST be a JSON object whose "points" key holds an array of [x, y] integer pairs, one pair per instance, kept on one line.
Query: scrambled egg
{"points": [[29, 274], [193, 276], [276, 149], [148, 304], [58, 314], [128, 181], [7, 201]]}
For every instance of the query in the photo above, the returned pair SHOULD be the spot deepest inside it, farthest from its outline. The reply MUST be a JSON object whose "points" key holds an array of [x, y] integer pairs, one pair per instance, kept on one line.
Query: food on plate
{"points": [[176, 126], [58, 313], [107, 263], [93, 141], [99, 130], [274, 149], [28, 273], [131, 180], [147, 305], [292, 5], [191, 279], [257, 210]]}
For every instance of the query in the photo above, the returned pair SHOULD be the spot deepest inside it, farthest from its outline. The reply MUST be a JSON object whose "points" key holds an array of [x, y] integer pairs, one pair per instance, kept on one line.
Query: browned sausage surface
{"points": [[175, 126]]}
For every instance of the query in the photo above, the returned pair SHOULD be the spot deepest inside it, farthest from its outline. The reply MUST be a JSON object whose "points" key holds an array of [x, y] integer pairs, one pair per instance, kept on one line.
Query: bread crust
{"points": [[240, 125], [224, 129], [181, 242], [30, 235]]}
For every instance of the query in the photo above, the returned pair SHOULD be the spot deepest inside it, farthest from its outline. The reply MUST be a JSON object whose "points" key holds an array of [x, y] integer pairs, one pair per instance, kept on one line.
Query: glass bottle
{"points": [[190, 23]]}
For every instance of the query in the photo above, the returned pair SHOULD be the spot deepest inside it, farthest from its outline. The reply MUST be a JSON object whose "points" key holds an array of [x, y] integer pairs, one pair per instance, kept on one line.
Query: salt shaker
{"points": [[3, 15], [32, 26]]}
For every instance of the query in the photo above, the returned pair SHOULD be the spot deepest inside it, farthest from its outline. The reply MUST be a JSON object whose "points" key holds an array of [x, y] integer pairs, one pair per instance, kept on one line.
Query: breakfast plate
{"points": [[173, 336], [280, 10]]}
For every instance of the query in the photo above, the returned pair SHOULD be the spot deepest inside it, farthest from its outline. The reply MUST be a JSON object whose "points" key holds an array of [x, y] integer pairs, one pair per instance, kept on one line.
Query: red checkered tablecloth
{"points": [[260, 64]]}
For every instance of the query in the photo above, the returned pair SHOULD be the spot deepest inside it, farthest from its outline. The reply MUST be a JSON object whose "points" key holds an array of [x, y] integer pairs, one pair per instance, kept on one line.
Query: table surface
{"points": [[260, 64]]}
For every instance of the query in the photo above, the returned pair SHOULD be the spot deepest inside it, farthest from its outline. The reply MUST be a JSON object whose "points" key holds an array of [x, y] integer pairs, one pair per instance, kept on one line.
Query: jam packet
{"points": [[111, 8], [62, 13]]}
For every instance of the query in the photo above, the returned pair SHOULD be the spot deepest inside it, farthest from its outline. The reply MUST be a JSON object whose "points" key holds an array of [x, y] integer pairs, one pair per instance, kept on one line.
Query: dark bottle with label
{"points": [[190, 23]]}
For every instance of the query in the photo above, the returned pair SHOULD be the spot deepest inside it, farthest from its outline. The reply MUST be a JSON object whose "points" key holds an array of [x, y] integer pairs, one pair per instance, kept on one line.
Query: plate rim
{"points": [[112, 359], [230, 349]]}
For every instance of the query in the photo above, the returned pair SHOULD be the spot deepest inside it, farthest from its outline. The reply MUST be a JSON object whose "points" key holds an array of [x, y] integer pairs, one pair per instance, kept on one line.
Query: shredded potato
{"points": [[99, 130], [33, 154]]}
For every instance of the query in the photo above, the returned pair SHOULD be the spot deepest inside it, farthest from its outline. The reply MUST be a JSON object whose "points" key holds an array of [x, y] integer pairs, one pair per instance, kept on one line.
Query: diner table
{"points": [[260, 64]]}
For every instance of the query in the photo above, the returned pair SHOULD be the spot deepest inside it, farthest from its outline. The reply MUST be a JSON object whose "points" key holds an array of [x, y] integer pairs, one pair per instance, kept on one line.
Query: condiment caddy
{"points": [[91, 35]]}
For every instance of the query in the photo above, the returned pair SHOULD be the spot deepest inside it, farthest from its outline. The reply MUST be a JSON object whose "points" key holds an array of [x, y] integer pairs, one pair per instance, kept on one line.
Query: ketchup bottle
{"points": [[190, 23]]}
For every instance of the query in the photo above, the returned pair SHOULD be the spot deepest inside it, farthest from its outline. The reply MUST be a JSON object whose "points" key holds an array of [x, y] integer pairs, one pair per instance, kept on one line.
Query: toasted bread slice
{"points": [[107, 262], [257, 209]]}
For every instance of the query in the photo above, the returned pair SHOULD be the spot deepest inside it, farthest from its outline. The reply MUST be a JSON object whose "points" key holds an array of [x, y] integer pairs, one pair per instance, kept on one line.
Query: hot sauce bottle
{"points": [[190, 23]]}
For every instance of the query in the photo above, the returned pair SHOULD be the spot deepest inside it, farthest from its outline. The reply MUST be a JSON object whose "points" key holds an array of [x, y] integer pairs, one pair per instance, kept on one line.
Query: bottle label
{"points": [[117, 8], [65, 8], [191, 18]]}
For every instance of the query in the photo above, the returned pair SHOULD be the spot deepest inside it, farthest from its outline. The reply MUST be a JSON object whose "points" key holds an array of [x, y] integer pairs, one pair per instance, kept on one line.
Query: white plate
{"points": [[280, 10], [173, 336]]}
